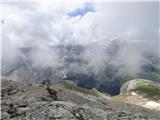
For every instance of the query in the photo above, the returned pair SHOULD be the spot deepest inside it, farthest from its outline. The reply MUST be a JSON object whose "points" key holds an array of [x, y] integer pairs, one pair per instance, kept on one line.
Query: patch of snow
{"points": [[152, 104], [140, 97], [64, 75], [133, 93]]}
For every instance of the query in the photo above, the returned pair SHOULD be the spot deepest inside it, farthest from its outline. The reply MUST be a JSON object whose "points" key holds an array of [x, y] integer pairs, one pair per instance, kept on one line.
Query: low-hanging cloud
{"points": [[131, 26]]}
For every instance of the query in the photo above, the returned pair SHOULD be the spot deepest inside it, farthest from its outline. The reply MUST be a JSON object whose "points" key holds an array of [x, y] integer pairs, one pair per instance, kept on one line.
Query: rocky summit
{"points": [[64, 100]]}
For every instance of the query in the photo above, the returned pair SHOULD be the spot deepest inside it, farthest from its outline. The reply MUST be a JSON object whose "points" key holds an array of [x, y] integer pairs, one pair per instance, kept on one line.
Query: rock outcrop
{"points": [[33, 102], [141, 92]]}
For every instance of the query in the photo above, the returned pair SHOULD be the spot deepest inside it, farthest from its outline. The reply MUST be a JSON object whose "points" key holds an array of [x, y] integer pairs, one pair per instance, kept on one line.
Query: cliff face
{"points": [[141, 92], [34, 102]]}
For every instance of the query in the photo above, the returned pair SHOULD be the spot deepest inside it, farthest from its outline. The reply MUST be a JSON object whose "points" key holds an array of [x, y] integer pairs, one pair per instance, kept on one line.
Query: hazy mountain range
{"points": [[105, 70]]}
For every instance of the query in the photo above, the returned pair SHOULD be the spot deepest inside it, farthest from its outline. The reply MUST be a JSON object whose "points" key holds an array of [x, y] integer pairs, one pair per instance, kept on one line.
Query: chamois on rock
{"points": [[52, 92]]}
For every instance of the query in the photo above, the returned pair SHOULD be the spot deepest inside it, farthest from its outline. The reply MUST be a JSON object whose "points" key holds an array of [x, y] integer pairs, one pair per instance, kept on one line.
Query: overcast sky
{"points": [[52, 23], [44, 24]]}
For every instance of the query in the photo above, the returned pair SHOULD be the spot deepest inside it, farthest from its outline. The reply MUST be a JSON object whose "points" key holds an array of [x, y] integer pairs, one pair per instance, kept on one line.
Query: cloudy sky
{"points": [[53, 23], [44, 24]]}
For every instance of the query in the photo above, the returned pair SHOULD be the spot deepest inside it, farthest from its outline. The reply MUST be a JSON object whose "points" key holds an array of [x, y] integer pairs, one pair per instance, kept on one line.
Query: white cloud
{"points": [[42, 25], [109, 20]]}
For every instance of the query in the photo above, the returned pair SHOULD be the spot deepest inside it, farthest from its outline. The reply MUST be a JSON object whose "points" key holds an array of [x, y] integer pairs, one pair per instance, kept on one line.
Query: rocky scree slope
{"points": [[33, 102]]}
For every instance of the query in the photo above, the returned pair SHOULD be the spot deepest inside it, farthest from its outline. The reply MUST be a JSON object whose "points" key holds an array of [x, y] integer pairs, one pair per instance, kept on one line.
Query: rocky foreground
{"points": [[35, 102]]}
